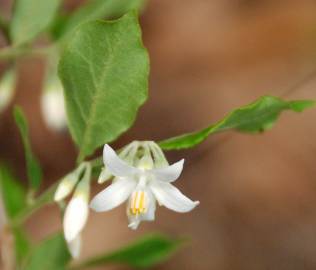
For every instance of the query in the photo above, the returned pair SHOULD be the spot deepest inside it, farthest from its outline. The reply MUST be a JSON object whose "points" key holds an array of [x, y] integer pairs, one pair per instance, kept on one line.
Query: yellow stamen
{"points": [[137, 204]]}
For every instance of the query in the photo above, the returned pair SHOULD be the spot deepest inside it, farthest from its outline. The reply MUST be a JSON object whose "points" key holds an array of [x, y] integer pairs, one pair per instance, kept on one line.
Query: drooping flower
{"points": [[77, 210], [142, 176]]}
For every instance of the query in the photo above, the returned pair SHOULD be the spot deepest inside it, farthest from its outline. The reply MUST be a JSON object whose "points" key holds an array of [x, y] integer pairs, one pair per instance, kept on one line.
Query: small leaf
{"points": [[96, 9], [253, 118], [144, 253], [51, 254], [12, 192], [104, 72], [30, 18], [34, 171], [7, 88]]}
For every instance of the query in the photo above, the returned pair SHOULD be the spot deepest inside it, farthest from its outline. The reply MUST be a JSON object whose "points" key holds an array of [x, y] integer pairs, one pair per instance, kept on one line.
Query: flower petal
{"points": [[75, 218], [74, 247], [150, 214], [113, 195], [115, 165], [104, 176], [169, 196], [170, 173], [65, 187]]}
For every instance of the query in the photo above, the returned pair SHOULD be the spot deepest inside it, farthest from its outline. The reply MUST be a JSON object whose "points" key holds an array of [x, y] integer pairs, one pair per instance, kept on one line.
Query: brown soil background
{"points": [[257, 193]]}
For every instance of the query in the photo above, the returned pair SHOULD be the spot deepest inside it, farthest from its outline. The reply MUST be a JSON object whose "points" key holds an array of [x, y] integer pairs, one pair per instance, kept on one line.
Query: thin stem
{"points": [[44, 199], [15, 52], [4, 27], [47, 198]]}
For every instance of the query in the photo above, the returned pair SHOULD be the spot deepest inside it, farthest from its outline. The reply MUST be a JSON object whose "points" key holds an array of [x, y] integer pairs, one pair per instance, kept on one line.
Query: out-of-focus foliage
{"points": [[50, 254], [12, 193], [22, 245], [104, 71], [253, 118], [143, 253], [34, 171], [14, 200], [30, 18]]}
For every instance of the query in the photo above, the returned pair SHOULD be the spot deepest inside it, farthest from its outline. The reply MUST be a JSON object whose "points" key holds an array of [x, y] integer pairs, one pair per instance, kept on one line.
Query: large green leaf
{"points": [[143, 253], [12, 193], [255, 117], [30, 18], [96, 9], [34, 171], [51, 254], [104, 72]]}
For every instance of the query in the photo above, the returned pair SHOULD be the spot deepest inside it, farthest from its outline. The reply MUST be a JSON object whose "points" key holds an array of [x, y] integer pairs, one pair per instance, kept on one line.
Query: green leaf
{"points": [[96, 9], [14, 200], [12, 192], [104, 72], [253, 118], [34, 171], [144, 253], [22, 245], [51, 254], [30, 18]]}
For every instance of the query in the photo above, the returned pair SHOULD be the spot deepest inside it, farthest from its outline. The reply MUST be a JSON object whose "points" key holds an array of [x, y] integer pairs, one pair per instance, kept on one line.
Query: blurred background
{"points": [[257, 193]]}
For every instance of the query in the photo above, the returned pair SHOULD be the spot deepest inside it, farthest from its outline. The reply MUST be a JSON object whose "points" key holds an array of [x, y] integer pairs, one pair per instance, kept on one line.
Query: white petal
{"points": [[150, 214], [169, 196], [65, 187], [75, 246], [104, 176], [115, 165], [75, 218], [114, 195], [170, 173]]}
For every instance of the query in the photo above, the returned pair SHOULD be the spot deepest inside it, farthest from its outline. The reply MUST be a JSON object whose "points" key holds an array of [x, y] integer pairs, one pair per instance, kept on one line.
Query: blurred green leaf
{"points": [[50, 254], [92, 10], [34, 171], [143, 253], [104, 71], [7, 88], [22, 245], [12, 192], [253, 118], [30, 18], [14, 200]]}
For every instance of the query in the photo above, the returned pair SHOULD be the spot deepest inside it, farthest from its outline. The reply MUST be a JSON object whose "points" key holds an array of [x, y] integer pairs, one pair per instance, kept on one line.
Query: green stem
{"points": [[15, 52], [4, 27], [44, 199]]}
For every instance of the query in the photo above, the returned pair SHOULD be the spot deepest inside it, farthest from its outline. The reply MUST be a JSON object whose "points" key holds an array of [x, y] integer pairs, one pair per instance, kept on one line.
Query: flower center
{"points": [[138, 203]]}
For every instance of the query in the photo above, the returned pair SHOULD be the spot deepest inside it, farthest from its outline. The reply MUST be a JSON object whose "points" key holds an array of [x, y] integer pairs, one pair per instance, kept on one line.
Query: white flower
{"points": [[142, 184], [77, 210], [52, 105]]}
